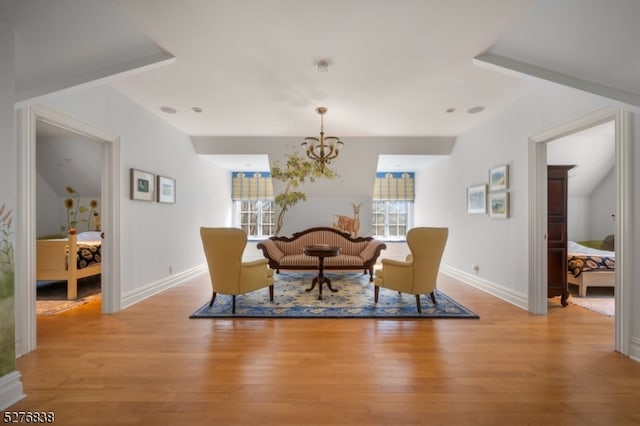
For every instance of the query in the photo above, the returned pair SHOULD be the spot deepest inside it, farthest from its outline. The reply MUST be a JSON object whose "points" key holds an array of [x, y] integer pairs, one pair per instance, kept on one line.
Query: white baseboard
{"points": [[139, 294], [10, 389], [506, 294], [634, 349]]}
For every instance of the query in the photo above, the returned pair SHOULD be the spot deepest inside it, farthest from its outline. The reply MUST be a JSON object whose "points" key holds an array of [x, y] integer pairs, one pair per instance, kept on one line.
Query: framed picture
{"points": [[499, 205], [143, 185], [166, 190], [499, 178], [477, 199]]}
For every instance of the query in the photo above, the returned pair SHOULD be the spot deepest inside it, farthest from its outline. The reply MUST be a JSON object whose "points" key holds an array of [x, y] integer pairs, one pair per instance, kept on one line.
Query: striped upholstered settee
{"points": [[355, 253]]}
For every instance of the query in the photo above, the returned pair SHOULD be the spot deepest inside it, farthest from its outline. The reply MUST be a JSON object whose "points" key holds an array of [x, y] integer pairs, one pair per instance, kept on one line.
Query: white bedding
{"points": [[574, 248]]}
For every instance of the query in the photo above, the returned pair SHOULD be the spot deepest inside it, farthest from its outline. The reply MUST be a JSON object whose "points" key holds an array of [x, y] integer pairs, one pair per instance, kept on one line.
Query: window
{"points": [[393, 195], [255, 217], [391, 219], [253, 206]]}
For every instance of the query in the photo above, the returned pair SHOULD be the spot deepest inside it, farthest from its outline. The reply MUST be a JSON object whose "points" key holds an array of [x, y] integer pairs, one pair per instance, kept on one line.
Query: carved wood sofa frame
{"points": [[286, 253]]}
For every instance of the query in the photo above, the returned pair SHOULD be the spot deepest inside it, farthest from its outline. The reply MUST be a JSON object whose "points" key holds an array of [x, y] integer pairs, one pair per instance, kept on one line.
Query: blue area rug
{"points": [[354, 299]]}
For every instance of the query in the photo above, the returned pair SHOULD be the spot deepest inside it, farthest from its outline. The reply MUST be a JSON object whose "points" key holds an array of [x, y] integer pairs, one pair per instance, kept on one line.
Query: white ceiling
{"points": [[396, 67], [250, 65], [64, 158], [591, 150]]}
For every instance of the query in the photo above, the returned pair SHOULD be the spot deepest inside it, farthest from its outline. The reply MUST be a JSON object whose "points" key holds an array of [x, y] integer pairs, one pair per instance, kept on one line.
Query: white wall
{"points": [[50, 213], [322, 211], [590, 218], [601, 208], [579, 215], [155, 237], [499, 247], [10, 384]]}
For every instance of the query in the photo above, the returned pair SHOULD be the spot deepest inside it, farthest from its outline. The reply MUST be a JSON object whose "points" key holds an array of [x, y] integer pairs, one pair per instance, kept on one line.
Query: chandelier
{"points": [[324, 149]]}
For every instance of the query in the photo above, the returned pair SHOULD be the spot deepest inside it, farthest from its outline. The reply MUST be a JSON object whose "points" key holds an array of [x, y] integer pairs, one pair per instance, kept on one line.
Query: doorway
{"points": [[590, 221], [28, 119], [538, 215], [68, 195]]}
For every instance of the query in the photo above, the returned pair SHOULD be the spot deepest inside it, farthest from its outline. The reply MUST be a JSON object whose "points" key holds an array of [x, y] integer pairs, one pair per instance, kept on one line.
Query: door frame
{"points": [[623, 201], [26, 339]]}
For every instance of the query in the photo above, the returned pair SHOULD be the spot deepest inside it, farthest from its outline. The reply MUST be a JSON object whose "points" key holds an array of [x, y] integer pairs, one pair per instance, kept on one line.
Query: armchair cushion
{"points": [[223, 248], [418, 274]]}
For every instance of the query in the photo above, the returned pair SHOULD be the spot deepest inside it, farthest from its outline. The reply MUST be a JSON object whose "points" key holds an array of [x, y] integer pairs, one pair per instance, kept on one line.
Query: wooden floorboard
{"points": [[152, 365]]}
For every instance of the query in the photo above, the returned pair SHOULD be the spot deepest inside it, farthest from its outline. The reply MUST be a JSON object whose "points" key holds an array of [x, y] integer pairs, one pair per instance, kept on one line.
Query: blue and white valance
{"points": [[249, 186], [394, 186]]}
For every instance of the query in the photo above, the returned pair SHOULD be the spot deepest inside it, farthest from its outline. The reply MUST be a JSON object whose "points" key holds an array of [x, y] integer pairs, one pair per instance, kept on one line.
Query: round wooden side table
{"points": [[321, 251]]}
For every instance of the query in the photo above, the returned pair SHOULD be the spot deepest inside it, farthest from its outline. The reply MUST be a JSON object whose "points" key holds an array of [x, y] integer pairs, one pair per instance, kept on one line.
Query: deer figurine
{"points": [[349, 224]]}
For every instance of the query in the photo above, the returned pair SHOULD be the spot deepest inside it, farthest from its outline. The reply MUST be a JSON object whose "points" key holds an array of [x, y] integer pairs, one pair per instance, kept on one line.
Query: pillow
{"points": [[608, 243], [594, 244], [89, 236]]}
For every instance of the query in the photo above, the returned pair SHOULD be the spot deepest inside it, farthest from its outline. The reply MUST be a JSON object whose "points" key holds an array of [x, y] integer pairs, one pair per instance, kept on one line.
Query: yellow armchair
{"points": [[223, 248], [418, 274]]}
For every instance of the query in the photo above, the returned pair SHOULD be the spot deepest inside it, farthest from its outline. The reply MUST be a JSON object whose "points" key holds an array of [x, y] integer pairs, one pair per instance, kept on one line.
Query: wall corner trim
{"points": [[10, 389]]}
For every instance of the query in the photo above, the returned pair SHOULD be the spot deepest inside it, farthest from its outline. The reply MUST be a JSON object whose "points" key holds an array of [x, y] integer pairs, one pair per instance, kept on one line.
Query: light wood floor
{"points": [[151, 365]]}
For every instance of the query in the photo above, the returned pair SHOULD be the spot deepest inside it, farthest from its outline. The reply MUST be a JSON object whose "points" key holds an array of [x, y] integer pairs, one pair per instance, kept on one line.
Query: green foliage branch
{"points": [[296, 171]]}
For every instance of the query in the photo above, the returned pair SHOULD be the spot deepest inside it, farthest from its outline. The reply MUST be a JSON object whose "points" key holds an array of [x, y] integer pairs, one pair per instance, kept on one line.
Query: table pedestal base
{"points": [[321, 252], [320, 280]]}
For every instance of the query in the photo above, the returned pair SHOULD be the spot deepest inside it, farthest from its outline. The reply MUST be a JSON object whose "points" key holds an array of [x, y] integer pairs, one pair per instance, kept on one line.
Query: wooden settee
{"points": [[286, 253]]}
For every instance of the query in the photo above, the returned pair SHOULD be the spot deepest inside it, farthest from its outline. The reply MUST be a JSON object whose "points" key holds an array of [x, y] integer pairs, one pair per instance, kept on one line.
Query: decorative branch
{"points": [[297, 171]]}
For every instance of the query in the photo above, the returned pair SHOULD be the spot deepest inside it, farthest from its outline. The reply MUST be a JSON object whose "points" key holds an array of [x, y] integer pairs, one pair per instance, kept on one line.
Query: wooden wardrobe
{"points": [[557, 177]]}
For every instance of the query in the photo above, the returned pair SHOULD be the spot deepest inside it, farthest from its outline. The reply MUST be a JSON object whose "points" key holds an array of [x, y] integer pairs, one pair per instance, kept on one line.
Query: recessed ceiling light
{"points": [[197, 109], [322, 65], [450, 110], [475, 110], [168, 110]]}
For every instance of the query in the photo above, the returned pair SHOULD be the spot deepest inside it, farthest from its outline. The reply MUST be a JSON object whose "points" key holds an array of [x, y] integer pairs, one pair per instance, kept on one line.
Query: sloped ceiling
{"points": [[66, 159], [396, 68], [592, 151], [590, 45]]}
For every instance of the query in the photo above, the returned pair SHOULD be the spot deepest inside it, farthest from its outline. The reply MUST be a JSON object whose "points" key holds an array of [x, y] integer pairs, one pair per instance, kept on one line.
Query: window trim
{"points": [[237, 209], [409, 221]]}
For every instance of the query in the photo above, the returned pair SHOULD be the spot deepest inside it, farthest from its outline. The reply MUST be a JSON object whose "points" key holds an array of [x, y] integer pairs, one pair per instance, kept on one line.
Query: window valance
{"points": [[248, 186], [394, 186]]}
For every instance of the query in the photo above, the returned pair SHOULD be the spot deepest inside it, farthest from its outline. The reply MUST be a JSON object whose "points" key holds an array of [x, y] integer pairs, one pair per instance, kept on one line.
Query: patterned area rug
{"points": [[354, 299], [51, 296]]}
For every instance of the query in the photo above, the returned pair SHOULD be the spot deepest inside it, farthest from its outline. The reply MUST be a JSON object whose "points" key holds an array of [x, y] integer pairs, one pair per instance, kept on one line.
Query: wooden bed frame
{"points": [[592, 279], [51, 264]]}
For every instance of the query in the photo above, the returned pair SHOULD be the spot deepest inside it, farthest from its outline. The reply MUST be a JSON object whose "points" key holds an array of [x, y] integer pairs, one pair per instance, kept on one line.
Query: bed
{"points": [[590, 267], [52, 260]]}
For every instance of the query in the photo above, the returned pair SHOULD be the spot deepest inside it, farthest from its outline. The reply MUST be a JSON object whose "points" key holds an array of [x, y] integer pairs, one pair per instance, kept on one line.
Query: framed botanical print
{"points": [[166, 190], [477, 199], [143, 185]]}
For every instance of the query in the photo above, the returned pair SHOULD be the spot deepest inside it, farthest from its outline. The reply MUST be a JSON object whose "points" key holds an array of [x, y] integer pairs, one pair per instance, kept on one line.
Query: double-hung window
{"points": [[256, 218], [253, 206], [392, 209]]}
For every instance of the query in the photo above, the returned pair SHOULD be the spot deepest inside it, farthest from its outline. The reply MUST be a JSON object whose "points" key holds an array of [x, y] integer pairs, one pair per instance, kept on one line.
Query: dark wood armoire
{"points": [[557, 177]]}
